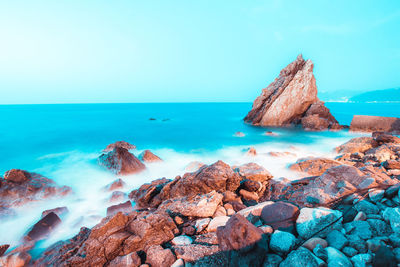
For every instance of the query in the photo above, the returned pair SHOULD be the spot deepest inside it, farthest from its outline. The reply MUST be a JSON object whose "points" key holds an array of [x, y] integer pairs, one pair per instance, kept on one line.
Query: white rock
{"points": [[181, 240], [217, 221], [201, 224], [178, 263]]}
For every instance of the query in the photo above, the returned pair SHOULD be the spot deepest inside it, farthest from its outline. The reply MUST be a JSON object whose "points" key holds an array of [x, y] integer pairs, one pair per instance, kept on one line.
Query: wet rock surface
{"points": [[121, 161]]}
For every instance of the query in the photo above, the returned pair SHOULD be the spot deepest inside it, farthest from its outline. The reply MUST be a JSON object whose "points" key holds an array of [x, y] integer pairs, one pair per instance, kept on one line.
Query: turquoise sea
{"points": [[63, 142]]}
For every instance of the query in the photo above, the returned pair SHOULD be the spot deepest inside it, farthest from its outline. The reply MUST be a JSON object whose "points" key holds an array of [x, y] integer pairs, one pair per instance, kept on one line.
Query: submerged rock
{"points": [[44, 227], [292, 99], [120, 161], [148, 156]]}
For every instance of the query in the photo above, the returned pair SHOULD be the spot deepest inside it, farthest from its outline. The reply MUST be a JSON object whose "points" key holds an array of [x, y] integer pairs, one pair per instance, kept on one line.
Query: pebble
{"points": [[178, 263], [366, 207], [360, 228], [376, 195]]}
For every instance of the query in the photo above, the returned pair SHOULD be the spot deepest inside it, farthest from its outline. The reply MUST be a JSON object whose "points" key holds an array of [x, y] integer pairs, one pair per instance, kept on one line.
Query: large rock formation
{"points": [[292, 99]]}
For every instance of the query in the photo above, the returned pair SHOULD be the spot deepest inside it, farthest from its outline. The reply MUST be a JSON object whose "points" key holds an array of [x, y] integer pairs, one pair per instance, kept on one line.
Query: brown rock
{"points": [[391, 164], [117, 197], [125, 207], [146, 195], [251, 186], [156, 256], [383, 138], [238, 234], [280, 215], [251, 151], [358, 144], [253, 171], [19, 259], [117, 184], [121, 162], [122, 144], [375, 124], [131, 259], [148, 156], [314, 166], [248, 195], [44, 227], [60, 211], [194, 252], [289, 98], [17, 176]]}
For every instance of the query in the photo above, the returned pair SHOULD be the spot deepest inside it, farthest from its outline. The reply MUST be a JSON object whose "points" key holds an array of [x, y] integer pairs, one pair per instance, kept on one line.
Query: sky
{"points": [[190, 51]]}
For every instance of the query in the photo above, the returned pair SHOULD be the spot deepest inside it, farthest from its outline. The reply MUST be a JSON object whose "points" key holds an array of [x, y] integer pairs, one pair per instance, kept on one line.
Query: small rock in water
{"points": [[148, 156], [122, 144], [239, 134], [44, 227], [60, 211]]}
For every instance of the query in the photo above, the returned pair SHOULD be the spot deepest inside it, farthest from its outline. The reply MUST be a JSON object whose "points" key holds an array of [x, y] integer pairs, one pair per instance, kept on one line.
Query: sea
{"points": [[63, 142]]}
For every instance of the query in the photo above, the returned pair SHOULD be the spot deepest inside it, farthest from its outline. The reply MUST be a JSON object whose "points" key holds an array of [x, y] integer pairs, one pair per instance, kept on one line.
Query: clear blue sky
{"points": [[173, 51]]}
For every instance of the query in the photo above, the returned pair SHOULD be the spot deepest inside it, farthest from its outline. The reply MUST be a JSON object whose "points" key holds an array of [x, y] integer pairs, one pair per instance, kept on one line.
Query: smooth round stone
{"points": [[361, 216], [282, 242], [216, 222], [181, 240], [311, 243], [280, 215]]}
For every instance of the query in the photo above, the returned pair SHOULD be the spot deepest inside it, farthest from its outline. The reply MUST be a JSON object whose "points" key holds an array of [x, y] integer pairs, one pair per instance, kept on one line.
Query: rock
{"points": [[357, 145], [3, 249], [311, 243], [178, 263], [147, 194], [117, 197], [355, 241], [181, 240], [361, 216], [254, 211], [349, 251], [383, 138], [188, 230], [251, 151], [395, 239], [117, 184], [17, 176], [359, 228], [122, 207], [122, 144], [220, 211], [379, 227], [194, 252], [239, 134], [337, 258], [194, 166], [374, 244], [392, 215], [282, 242], [202, 224], [272, 260], [366, 207], [299, 258], [197, 206], [253, 172], [376, 195], [60, 211], [280, 215], [121, 162], [310, 221], [44, 227], [238, 234], [314, 166], [207, 239], [21, 187], [277, 106], [391, 164], [148, 156], [156, 256], [249, 196], [362, 123], [217, 222], [131, 259], [19, 259], [336, 240]]}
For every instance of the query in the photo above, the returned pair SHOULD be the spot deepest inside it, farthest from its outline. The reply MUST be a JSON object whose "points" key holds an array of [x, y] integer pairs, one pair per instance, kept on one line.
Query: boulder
{"points": [[317, 222], [314, 166], [44, 227], [122, 144], [147, 194], [384, 138], [253, 172], [391, 164], [238, 234], [217, 222], [363, 123], [148, 156], [197, 206], [299, 258], [121, 162], [337, 258], [357, 145], [18, 259], [157, 256], [122, 207], [3, 249], [282, 242], [280, 215], [60, 211], [290, 98]]}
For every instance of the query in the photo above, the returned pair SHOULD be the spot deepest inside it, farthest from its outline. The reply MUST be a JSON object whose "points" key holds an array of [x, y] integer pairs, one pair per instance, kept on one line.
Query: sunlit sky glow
{"points": [[190, 51]]}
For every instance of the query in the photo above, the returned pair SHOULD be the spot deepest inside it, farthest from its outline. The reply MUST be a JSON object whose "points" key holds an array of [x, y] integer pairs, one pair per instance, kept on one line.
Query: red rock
{"points": [[122, 207], [248, 195], [314, 166], [121, 162], [253, 171], [148, 156], [44, 227], [280, 215], [146, 195], [17, 176], [277, 106], [122, 144], [238, 234], [131, 259], [375, 123], [156, 256]]}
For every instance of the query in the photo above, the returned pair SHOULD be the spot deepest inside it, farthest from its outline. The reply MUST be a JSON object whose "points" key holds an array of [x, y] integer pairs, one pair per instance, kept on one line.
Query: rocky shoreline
{"points": [[344, 212]]}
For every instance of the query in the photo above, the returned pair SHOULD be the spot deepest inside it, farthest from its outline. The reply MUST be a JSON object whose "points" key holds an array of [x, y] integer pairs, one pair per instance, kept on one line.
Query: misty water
{"points": [[63, 142]]}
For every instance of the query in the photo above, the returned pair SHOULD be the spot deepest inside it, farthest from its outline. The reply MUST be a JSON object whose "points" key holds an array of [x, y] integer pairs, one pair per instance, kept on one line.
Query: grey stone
{"points": [[392, 215], [312, 220], [337, 258], [361, 260], [356, 242], [366, 207], [392, 191], [360, 228], [282, 242], [336, 239], [299, 258], [379, 227], [272, 260], [349, 251]]}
